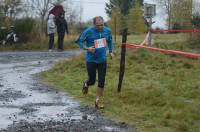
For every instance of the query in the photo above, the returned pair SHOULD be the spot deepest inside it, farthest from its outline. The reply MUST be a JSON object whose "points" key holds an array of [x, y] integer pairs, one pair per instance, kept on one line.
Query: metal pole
{"points": [[122, 60]]}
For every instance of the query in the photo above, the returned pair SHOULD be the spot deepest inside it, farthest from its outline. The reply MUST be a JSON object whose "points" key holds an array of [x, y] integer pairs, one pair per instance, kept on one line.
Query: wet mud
{"points": [[27, 105]]}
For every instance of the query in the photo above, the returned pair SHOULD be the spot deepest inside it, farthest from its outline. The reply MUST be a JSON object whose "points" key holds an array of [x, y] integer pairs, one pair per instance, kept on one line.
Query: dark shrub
{"points": [[194, 38], [24, 28], [196, 21]]}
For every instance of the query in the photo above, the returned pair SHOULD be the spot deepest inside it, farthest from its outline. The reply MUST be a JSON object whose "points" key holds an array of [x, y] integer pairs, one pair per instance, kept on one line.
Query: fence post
{"points": [[122, 60]]}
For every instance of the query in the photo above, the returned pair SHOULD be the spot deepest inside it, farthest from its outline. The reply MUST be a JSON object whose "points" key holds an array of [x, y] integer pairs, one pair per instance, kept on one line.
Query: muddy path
{"points": [[26, 105]]}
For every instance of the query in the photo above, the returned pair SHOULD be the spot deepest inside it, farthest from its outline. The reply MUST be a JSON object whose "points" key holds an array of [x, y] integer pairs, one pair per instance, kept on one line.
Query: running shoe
{"points": [[85, 88], [99, 104]]}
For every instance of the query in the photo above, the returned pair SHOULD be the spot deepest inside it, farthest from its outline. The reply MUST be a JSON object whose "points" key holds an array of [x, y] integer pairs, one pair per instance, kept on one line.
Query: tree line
{"points": [[181, 14], [33, 14]]}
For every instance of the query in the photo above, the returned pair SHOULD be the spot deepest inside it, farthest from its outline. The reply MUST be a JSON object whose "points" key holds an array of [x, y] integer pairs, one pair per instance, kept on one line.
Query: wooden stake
{"points": [[122, 60]]}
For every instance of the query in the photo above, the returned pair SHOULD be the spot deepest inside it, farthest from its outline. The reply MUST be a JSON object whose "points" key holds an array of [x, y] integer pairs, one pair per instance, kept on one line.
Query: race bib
{"points": [[100, 43]]}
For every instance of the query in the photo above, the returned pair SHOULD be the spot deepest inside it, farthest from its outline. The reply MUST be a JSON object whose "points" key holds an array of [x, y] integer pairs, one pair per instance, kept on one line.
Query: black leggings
{"points": [[61, 36], [51, 40], [92, 68]]}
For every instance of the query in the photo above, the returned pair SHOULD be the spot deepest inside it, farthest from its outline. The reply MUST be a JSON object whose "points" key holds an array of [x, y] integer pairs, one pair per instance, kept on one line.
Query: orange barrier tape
{"points": [[127, 45]]}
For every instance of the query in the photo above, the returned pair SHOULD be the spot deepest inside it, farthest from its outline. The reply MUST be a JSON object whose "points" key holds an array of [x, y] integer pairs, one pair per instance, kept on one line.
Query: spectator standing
{"points": [[51, 29], [62, 27]]}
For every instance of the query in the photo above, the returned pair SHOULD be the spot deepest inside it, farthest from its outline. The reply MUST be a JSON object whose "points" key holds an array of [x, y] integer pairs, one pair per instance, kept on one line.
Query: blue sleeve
{"points": [[110, 44], [81, 40]]}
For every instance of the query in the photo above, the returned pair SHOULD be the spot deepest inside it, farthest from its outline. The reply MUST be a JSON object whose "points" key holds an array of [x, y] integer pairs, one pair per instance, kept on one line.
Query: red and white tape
{"points": [[133, 46]]}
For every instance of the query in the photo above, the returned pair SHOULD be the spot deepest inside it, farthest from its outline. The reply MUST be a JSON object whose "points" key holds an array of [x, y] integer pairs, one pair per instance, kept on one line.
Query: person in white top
{"points": [[51, 29]]}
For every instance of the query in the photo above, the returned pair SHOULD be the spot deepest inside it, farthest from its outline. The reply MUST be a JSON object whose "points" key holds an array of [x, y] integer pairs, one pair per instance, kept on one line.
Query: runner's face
{"points": [[99, 24]]}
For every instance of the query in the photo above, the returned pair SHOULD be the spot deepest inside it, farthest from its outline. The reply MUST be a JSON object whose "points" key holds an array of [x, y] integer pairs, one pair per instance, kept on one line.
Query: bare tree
{"points": [[181, 14], [178, 11], [167, 6], [40, 9], [10, 8], [80, 14], [196, 6]]}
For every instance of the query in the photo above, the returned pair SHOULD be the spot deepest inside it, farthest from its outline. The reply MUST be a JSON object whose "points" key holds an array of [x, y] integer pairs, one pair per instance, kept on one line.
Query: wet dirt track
{"points": [[26, 105]]}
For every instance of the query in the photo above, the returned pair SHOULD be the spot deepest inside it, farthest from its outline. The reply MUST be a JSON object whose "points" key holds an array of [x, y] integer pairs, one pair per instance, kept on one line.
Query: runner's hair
{"points": [[96, 18]]}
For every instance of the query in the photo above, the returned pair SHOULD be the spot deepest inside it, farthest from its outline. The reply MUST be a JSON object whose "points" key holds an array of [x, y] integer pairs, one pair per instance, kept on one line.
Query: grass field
{"points": [[69, 43], [160, 93]]}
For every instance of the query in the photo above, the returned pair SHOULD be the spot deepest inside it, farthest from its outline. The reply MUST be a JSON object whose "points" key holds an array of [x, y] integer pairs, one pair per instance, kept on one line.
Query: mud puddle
{"points": [[28, 105]]}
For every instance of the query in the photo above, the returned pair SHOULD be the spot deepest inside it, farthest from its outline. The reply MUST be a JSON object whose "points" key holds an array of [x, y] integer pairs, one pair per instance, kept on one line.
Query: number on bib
{"points": [[100, 43]]}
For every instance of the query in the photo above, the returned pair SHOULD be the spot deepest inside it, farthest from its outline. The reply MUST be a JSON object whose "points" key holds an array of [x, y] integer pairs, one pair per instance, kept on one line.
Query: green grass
{"points": [[165, 41], [159, 93]]}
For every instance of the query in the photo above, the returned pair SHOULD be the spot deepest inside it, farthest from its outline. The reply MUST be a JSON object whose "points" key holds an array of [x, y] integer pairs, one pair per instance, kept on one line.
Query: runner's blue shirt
{"points": [[88, 38]]}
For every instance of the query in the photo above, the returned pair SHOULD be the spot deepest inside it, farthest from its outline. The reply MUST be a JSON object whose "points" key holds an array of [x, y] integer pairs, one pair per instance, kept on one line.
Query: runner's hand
{"points": [[91, 49], [111, 55]]}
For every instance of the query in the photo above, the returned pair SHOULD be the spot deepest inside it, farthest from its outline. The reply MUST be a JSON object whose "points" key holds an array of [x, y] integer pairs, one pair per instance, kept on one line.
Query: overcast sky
{"points": [[93, 8]]}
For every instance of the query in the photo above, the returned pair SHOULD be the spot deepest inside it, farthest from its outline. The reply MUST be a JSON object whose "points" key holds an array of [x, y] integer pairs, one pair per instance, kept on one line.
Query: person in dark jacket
{"points": [[62, 27]]}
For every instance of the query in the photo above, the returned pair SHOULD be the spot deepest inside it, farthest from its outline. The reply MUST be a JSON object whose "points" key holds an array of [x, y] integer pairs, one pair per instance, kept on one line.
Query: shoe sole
{"points": [[97, 107], [84, 89]]}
